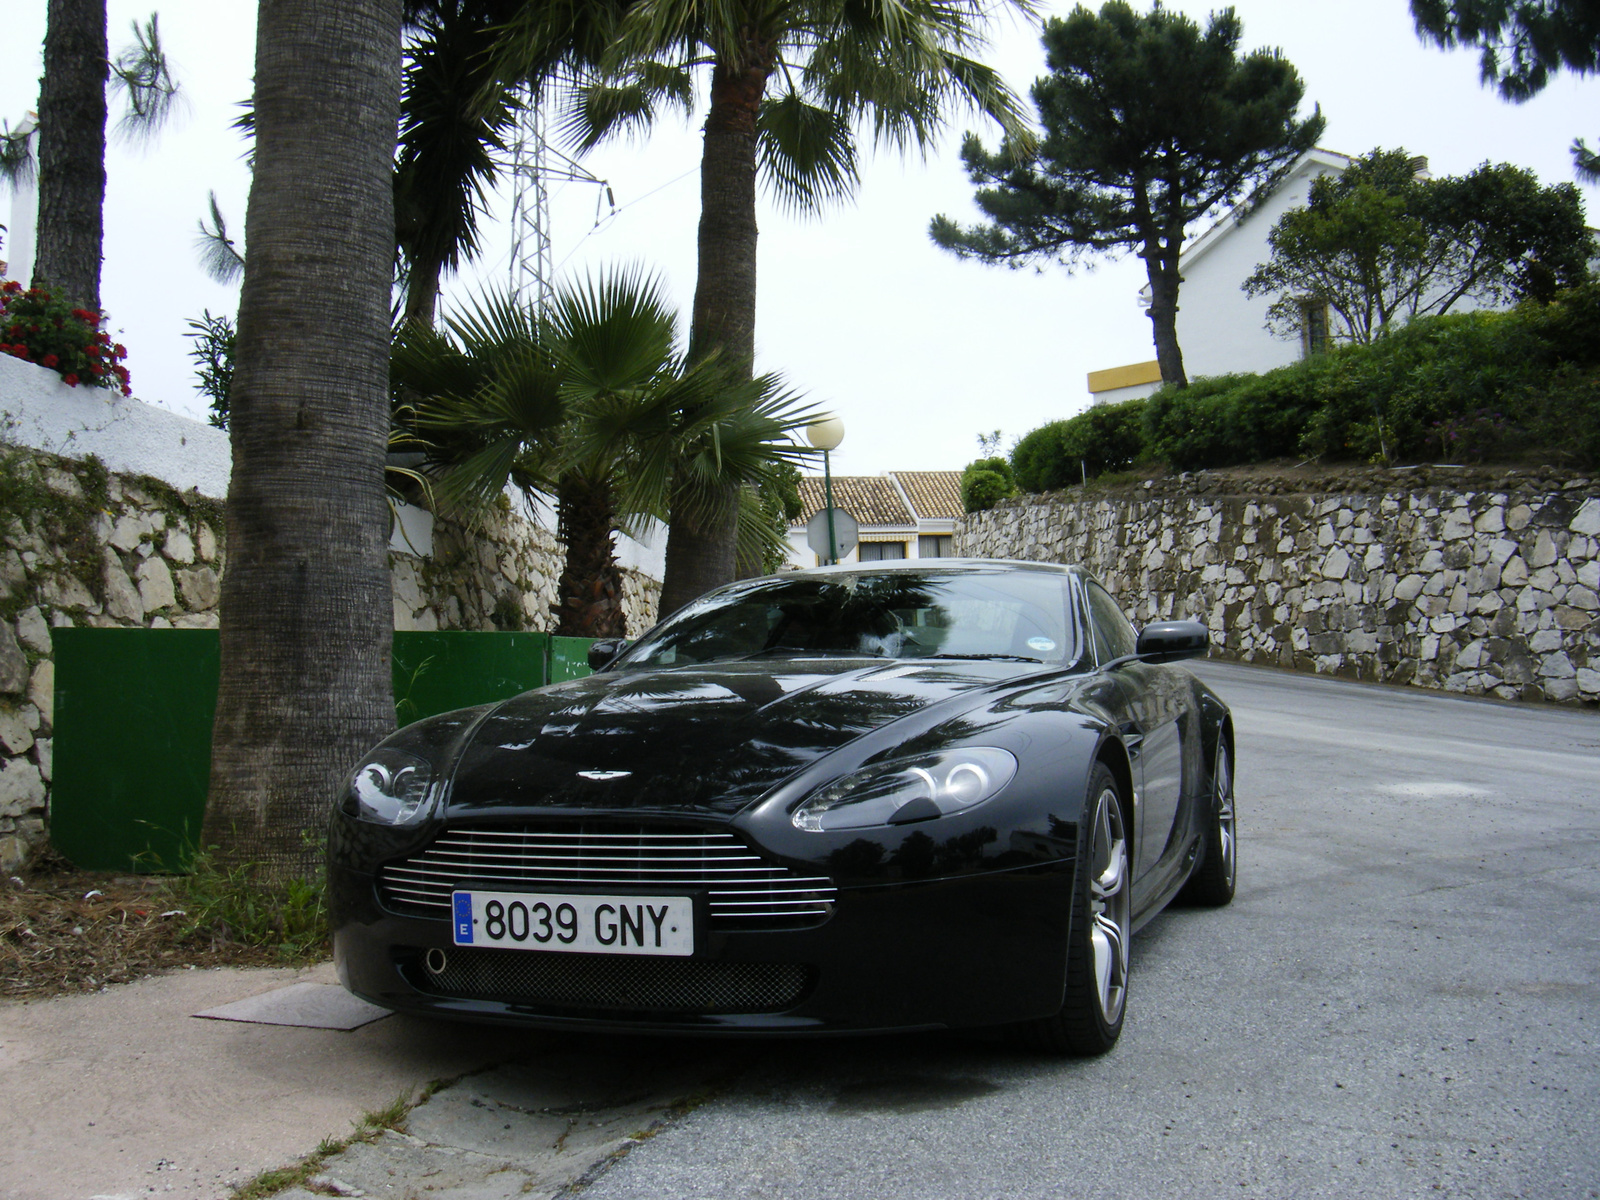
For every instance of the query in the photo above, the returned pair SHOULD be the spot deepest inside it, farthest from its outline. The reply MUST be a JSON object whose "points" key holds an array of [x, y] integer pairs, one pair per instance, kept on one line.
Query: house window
{"points": [[1313, 327], [878, 551], [934, 545]]}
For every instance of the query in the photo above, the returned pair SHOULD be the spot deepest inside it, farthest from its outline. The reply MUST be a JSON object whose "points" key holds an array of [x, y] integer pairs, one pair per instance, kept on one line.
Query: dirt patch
{"points": [[64, 931]]}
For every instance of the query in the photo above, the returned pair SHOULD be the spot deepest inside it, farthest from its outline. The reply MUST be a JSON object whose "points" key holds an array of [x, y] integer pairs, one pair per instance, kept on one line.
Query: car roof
{"points": [[949, 565]]}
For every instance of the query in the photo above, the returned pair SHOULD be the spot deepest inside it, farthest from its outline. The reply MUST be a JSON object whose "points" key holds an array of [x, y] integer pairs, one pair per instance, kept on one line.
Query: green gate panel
{"points": [[134, 708], [437, 672], [132, 752], [569, 658]]}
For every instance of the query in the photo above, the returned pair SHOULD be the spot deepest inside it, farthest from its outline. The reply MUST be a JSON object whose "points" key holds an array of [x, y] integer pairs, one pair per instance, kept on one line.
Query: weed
{"points": [[368, 1129], [240, 904]]}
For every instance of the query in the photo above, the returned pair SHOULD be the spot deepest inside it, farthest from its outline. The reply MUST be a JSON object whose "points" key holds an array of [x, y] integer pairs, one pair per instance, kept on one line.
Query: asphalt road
{"points": [[1403, 1000]]}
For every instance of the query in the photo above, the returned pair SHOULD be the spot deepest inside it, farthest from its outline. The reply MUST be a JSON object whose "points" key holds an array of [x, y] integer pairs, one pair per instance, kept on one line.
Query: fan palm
{"points": [[594, 405], [791, 81]]}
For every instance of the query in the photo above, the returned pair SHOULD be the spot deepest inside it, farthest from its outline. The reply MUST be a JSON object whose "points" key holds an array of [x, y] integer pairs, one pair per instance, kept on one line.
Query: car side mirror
{"points": [[1171, 641], [606, 649]]}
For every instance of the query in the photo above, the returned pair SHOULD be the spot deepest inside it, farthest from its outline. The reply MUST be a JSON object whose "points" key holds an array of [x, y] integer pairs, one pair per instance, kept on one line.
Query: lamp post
{"points": [[826, 435]]}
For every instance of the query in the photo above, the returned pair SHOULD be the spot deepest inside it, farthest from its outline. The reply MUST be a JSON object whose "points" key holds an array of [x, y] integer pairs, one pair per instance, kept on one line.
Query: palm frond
{"points": [[17, 164], [142, 73], [806, 153], [613, 333], [219, 255], [625, 105]]}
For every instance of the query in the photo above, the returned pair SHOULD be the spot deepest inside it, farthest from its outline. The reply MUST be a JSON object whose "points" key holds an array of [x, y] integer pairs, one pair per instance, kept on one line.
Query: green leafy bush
{"points": [[1461, 386], [39, 328], [983, 489], [1108, 437]]}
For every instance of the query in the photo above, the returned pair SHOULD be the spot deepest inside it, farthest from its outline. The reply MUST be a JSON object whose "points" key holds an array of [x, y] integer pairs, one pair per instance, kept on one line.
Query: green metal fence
{"points": [[133, 714]]}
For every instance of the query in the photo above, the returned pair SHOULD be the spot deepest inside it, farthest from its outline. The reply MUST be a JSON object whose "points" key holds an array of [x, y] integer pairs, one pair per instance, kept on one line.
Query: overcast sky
{"points": [[916, 351]]}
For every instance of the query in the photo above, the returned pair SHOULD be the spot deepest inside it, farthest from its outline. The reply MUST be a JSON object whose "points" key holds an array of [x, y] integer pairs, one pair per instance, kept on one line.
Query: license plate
{"points": [[581, 924]]}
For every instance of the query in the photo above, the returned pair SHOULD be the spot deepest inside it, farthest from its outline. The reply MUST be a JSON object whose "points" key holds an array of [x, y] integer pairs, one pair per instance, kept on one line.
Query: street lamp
{"points": [[826, 435]]}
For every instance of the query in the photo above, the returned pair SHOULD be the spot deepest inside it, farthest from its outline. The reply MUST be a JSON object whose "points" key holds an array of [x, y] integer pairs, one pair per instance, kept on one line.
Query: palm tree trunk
{"points": [[306, 608], [422, 292], [700, 555], [72, 151], [589, 595]]}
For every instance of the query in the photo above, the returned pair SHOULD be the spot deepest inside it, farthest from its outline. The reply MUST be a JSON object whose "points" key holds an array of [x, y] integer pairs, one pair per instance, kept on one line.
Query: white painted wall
{"points": [[18, 250], [1222, 330], [1136, 391], [39, 411], [131, 437]]}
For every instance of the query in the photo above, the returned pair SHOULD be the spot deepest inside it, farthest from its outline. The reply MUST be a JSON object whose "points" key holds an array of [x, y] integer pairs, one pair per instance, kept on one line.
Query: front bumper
{"points": [[979, 949]]}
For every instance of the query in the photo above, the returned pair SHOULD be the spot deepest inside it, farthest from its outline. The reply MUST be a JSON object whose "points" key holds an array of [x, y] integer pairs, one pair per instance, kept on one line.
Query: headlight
{"points": [[908, 789], [390, 788]]}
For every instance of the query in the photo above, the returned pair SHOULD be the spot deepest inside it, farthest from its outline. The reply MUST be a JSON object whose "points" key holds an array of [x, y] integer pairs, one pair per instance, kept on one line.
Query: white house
{"points": [[1220, 329], [902, 514]]}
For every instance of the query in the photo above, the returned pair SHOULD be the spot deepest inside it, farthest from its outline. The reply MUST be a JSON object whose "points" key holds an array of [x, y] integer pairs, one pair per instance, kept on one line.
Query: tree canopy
{"points": [[1523, 43], [591, 403], [792, 87], [1150, 123], [1378, 244]]}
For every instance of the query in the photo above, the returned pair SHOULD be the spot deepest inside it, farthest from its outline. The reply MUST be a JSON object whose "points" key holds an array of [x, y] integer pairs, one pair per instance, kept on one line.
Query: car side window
{"points": [[1113, 635]]}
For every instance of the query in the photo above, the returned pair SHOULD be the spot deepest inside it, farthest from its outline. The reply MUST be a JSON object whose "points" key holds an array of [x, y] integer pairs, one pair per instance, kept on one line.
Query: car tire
{"points": [[1214, 879], [1095, 999]]}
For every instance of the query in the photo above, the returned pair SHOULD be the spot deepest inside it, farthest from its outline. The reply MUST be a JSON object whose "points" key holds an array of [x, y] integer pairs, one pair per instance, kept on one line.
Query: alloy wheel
{"points": [[1109, 906]]}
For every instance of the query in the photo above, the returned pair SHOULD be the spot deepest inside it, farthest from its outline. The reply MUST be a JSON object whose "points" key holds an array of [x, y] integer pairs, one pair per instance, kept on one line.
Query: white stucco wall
{"points": [[131, 437], [1221, 329], [1136, 391]]}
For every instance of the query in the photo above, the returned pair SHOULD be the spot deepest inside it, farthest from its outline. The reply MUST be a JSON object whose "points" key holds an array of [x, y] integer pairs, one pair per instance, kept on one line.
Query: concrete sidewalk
{"points": [[124, 1093]]}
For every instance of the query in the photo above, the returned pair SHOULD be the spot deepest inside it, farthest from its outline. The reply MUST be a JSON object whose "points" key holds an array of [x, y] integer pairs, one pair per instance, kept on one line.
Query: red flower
{"points": [[49, 360], [120, 350], [70, 380], [126, 390]]}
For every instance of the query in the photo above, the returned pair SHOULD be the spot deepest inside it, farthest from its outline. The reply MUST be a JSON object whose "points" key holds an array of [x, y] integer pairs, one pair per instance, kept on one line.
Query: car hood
{"points": [[692, 740]]}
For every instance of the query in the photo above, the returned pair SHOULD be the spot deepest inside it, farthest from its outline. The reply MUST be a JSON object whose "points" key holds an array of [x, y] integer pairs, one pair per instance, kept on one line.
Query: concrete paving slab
{"points": [[308, 1005], [122, 1093], [533, 1127]]}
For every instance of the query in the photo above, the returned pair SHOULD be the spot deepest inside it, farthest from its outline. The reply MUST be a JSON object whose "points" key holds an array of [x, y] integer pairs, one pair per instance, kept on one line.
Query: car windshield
{"points": [[1002, 614]]}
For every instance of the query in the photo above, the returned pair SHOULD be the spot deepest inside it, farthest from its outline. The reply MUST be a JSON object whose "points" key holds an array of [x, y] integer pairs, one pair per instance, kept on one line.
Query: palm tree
{"points": [[790, 83], [306, 611], [596, 406], [455, 110], [72, 136]]}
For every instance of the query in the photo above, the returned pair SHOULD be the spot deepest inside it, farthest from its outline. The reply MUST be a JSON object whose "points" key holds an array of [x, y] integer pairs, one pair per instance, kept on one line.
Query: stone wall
{"points": [[1485, 592], [82, 546]]}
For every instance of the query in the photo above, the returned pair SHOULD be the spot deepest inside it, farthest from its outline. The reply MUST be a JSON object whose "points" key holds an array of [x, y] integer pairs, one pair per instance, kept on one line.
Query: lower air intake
{"points": [[614, 983]]}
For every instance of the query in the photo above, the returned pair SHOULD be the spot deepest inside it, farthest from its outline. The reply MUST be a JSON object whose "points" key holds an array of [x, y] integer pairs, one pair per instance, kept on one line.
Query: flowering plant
{"points": [[38, 328]]}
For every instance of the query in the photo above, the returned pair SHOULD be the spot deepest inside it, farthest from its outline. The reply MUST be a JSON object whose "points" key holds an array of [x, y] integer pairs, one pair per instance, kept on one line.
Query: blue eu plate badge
{"points": [[462, 913]]}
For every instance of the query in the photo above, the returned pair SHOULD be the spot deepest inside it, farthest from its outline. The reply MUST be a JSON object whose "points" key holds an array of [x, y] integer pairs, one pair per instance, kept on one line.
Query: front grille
{"points": [[602, 981], [743, 890]]}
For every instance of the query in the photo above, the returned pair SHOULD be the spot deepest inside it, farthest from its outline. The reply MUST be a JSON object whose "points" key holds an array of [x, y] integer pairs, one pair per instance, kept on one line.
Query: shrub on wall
{"points": [[1461, 387], [1108, 437], [38, 328], [984, 483]]}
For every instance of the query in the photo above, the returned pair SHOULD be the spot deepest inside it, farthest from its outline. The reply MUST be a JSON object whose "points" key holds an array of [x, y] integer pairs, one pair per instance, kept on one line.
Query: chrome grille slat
{"points": [[741, 887]]}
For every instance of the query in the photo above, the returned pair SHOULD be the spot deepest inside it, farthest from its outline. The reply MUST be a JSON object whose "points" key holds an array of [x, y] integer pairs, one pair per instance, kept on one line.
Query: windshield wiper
{"points": [[987, 657]]}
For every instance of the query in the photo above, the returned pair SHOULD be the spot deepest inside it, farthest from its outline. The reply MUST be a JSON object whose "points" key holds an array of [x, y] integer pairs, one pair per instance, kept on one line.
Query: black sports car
{"points": [[930, 794]]}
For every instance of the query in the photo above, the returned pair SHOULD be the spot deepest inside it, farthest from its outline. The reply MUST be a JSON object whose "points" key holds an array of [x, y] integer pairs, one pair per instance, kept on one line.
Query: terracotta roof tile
{"points": [[870, 499], [933, 494]]}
